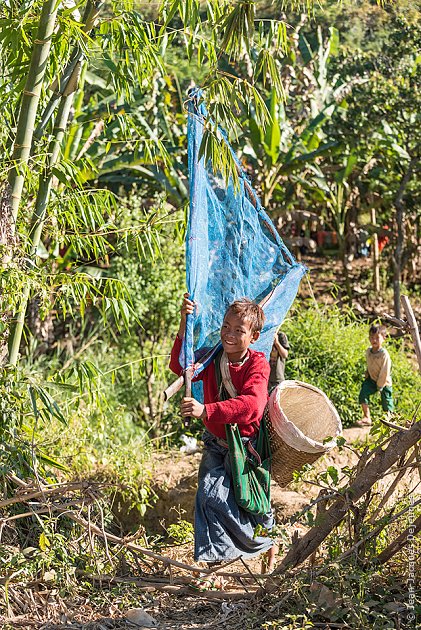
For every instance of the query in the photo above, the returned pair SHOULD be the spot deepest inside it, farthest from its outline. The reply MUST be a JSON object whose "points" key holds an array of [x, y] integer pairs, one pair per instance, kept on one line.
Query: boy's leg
{"points": [[269, 559], [366, 414], [387, 398], [368, 388]]}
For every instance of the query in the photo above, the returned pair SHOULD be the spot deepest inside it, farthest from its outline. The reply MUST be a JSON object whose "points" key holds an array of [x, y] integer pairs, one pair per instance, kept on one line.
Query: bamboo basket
{"points": [[300, 418]]}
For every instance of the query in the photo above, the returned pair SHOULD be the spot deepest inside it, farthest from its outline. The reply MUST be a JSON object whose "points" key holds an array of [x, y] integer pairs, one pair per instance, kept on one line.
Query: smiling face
{"points": [[376, 340], [236, 336]]}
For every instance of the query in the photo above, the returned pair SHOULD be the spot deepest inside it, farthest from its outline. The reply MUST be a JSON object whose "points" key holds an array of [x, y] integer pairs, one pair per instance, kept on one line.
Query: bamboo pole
{"points": [[44, 190], [30, 100]]}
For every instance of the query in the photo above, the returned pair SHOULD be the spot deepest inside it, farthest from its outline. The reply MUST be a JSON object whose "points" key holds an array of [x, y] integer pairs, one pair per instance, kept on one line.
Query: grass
{"points": [[328, 351]]}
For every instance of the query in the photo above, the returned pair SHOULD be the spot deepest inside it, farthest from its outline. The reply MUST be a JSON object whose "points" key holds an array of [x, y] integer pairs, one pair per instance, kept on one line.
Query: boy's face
{"points": [[236, 336], [376, 340]]}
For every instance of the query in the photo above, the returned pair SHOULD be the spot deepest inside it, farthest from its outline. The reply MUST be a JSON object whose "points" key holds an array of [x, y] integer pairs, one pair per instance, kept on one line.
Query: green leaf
{"points": [[305, 49], [33, 402], [44, 542], [333, 41], [273, 132], [52, 462], [333, 474]]}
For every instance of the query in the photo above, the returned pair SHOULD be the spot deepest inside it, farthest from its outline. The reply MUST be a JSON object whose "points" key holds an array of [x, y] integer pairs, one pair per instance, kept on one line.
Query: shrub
{"points": [[328, 351]]}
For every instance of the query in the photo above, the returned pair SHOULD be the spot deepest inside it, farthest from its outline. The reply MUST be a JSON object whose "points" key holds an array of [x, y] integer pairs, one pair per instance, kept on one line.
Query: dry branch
{"points": [[399, 444], [392, 487], [50, 490], [412, 322], [399, 542]]}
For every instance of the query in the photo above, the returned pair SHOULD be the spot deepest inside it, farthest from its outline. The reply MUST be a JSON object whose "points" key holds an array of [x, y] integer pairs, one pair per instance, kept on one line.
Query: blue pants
{"points": [[223, 531]]}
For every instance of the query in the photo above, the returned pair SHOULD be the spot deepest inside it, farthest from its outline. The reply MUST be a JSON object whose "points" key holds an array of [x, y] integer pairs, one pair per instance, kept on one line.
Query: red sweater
{"points": [[251, 382]]}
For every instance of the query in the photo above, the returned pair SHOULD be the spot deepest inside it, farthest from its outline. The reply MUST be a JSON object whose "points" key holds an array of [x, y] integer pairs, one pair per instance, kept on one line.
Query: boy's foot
{"points": [[269, 559], [363, 422]]}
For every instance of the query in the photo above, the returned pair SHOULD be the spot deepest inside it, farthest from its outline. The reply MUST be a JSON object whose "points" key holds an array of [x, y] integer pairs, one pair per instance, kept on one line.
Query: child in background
{"points": [[377, 376], [224, 531], [277, 358]]}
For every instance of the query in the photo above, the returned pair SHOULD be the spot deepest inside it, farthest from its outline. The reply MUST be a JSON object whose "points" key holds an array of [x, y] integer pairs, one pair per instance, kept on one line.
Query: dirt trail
{"points": [[175, 478]]}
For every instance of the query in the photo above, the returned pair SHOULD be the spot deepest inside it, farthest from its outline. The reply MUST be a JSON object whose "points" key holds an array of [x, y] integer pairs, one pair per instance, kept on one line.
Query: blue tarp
{"points": [[232, 250]]}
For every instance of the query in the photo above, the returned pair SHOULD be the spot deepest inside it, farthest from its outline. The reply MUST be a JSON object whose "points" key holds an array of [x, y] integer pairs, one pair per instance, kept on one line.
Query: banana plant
{"points": [[124, 143], [289, 144], [334, 197]]}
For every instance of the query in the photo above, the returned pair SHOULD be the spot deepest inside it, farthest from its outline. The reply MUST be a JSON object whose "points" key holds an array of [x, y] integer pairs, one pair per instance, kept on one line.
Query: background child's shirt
{"points": [[379, 366], [250, 379]]}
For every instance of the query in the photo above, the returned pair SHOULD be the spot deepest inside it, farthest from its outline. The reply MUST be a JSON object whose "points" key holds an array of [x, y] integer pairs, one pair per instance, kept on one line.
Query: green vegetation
{"points": [[328, 350], [322, 103]]}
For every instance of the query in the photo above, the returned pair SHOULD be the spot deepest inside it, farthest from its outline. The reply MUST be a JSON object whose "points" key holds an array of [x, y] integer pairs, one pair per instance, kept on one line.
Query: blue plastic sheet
{"points": [[232, 250]]}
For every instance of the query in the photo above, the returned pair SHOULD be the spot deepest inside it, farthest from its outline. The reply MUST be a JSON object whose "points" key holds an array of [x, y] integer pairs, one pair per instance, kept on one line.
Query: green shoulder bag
{"points": [[250, 466]]}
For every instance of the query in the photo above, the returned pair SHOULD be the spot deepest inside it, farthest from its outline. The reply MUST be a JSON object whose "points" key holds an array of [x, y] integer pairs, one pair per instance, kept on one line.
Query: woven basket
{"points": [[300, 418]]}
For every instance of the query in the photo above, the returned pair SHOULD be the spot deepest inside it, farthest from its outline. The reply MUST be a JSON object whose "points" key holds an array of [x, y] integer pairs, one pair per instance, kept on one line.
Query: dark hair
{"points": [[378, 328], [249, 311]]}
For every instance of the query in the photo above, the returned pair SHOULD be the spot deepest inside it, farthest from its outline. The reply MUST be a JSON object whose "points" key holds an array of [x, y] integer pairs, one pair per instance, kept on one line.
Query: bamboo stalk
{"points": [[45, 185], [59, 86], [30, 100], [43, 196]]}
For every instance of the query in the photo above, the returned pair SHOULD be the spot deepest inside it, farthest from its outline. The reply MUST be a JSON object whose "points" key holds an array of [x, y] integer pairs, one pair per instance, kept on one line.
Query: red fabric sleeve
{"points": [[174, 359], [248, 406]]}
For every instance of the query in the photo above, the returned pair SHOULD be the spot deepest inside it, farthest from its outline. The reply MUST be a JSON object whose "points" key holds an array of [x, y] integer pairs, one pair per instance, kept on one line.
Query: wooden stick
{"points": [[187, 393], [413, 327], [21, 498], [174, 388], [400, 542]]}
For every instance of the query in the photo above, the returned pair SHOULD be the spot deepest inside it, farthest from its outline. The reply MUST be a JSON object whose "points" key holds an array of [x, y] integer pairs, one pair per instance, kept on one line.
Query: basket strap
{"points": [[226, 376]]}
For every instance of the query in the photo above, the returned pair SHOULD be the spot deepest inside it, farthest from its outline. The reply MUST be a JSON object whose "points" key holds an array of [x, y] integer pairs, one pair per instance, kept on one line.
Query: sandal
{"points": [[364, 422]]}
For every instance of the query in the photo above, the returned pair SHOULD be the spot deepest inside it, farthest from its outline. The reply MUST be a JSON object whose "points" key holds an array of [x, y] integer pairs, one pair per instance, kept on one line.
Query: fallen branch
{"points": [[373, 533], [392, 487], [50, 490], [399, 444], [403, 539]]}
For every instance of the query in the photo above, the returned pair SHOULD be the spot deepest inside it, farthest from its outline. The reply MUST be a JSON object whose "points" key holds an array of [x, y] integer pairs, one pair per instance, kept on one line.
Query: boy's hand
{"points": [[187, 308], [193, 408]]}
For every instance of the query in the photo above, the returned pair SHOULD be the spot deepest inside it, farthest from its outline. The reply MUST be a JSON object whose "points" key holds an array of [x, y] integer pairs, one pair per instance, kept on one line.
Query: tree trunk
{"points": [[344, 259], [376, 257], [30, 100], [397, 255]]}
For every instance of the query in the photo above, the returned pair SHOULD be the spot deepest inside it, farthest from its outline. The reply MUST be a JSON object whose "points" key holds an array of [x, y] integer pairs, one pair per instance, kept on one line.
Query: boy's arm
{"points": [[249, 405], [282, 351], [174, 357]]}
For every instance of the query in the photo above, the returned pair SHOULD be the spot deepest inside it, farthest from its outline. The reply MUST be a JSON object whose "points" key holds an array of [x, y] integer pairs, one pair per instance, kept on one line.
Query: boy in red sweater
{"points": [[223, 531]]}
